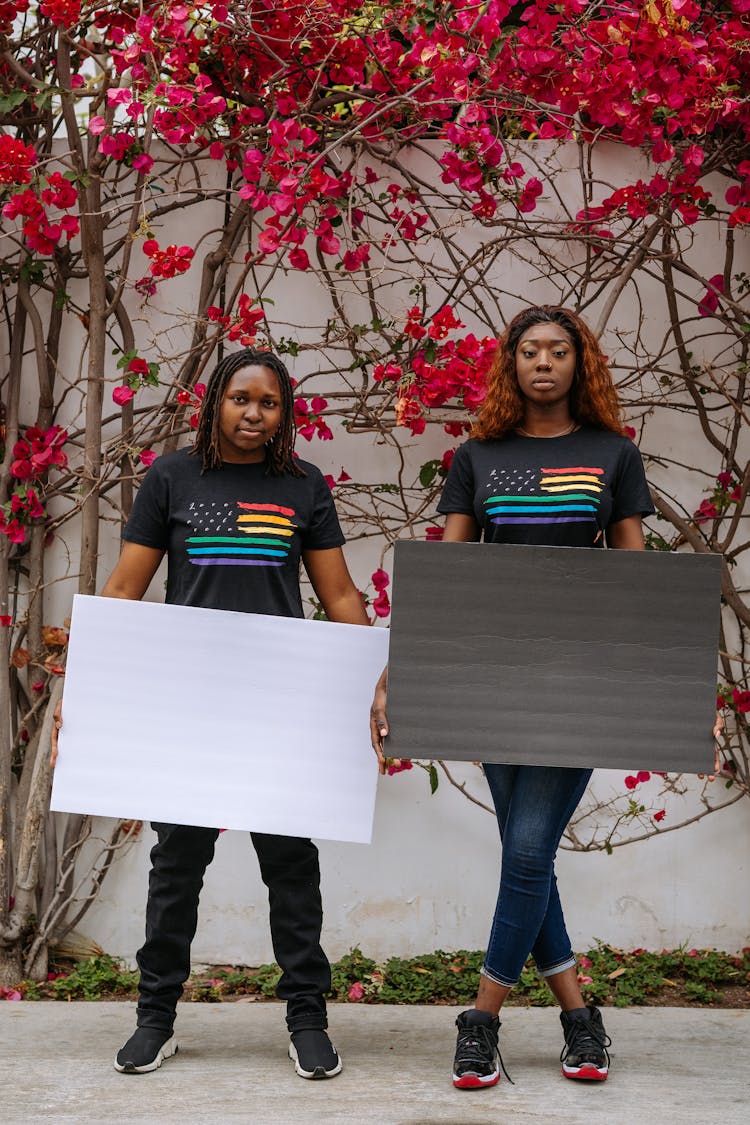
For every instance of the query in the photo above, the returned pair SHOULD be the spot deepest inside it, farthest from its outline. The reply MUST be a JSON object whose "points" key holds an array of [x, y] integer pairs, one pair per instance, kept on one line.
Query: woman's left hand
{"points": [[719, 727]]}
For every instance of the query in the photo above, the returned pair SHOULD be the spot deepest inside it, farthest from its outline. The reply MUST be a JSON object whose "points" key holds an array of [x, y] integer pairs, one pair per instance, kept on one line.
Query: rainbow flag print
{"points": [[239, 534], [559, 495]]}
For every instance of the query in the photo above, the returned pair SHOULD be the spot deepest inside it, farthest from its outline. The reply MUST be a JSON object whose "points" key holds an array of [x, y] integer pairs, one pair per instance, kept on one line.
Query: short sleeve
{"points": [[630, 493], [459, 487], [148, 524], [324, 530]]}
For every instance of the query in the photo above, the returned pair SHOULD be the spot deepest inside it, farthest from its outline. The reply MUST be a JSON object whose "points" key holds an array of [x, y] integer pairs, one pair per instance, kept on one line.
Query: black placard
{"points": [[554, 656]]}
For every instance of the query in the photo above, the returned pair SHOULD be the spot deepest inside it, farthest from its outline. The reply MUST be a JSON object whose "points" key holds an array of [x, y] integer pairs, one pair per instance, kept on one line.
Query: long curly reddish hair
{"points": [[593, 398]]}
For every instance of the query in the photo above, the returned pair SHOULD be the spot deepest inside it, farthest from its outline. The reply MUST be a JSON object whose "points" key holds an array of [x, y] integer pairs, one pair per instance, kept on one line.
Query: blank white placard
{"points": [[219, 719]]}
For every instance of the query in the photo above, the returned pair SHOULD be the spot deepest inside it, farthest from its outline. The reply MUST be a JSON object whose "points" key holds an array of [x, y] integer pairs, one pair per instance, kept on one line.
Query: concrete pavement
{"points": [[673, 1066]]}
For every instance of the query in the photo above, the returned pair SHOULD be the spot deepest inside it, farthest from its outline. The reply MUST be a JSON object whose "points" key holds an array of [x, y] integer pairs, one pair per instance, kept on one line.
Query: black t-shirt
{"points": [[562, 491], [233, 536]]}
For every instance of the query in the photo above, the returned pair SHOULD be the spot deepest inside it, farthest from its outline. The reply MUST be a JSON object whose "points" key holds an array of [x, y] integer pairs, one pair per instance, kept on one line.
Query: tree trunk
{"points": [[10, 965]]}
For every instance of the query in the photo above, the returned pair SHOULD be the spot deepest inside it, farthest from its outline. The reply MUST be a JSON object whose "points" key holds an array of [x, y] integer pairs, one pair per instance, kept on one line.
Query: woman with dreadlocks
{"points": [[238, 499]]}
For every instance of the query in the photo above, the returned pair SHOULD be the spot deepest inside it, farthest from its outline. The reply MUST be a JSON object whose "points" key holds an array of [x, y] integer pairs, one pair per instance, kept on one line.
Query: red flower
{"points": [[64, 13], [382, 605], [434, 534], [403, 764], [138, 367], [16, 160], [356, 992], [631, 782], [660, 815], [167, 263], [299, 259], [447, 459], [147, 457], [707, 510], [741, 700], [710, 300], [380, 579], [121, 395]]}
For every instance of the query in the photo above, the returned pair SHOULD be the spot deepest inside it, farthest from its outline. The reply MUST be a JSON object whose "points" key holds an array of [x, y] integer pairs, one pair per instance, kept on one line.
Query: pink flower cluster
{"points": [[194, 400], [665, 75], [37, 451], [243, 326], [63, 13], [43, 233], [170, 261], [16, 160], [740, 701], [309, 420], [726, 492], [442, 369], [34, 454]]}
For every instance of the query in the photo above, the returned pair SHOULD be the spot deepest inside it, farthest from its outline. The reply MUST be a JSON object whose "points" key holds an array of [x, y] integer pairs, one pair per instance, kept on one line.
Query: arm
{"points": [[460, 528], [130, 579], [333, 586], [626, 535]]}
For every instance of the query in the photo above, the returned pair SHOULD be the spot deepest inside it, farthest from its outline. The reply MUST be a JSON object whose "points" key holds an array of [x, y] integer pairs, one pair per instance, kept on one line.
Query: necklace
{"points": [[573, 425]]}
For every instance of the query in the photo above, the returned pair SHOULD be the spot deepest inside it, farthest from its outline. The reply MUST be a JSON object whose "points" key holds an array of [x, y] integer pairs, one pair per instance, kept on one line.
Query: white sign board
{"points": [[219, 719]]}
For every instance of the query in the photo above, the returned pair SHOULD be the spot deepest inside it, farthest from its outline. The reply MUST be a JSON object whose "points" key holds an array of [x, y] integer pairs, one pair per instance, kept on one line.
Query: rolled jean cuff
{"points": [[485, 972], [568, 963]]}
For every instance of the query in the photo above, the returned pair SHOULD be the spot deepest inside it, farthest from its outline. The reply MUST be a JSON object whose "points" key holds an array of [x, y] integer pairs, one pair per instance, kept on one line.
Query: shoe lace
{"points": [[478, 1044], [583, 1036]]}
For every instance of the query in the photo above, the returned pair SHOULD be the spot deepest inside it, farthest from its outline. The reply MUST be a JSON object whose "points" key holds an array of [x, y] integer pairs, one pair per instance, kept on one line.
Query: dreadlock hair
{"points": [[593, 398], [279, 452]]}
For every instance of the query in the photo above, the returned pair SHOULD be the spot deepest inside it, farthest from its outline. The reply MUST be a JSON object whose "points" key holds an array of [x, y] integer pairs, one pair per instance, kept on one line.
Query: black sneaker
{"points": [[313, 1054], [477, 1062], [145, 1050], [585, 1052]]}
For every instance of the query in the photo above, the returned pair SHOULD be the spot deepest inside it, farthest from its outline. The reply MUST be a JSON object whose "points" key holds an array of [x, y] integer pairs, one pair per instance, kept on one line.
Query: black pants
{"points": [[289, 868]]}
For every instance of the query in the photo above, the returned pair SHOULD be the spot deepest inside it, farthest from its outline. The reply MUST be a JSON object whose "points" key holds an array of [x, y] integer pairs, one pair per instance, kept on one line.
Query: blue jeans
{"points": [[533, 806]]}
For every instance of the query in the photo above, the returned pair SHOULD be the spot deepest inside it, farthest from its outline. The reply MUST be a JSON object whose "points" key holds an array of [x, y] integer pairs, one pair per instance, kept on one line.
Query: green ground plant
{"points": [[608, 976]]}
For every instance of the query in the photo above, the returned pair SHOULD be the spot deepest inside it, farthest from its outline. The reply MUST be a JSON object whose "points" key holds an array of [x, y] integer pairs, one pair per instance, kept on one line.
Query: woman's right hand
{"points": [[378, 719], [56, 724]]}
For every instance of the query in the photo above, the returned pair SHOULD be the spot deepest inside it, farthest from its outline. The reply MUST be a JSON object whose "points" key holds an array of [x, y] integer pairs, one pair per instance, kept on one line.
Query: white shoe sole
{"points": [[319, 1071], [165, 1052]]}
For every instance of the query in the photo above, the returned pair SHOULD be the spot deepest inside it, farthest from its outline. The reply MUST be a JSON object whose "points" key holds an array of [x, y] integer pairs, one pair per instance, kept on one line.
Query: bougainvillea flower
{"points": [[121, 395]]}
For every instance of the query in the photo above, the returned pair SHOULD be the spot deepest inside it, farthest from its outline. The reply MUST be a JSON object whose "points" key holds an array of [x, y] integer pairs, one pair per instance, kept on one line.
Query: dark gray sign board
{"points": [[560, 656]]}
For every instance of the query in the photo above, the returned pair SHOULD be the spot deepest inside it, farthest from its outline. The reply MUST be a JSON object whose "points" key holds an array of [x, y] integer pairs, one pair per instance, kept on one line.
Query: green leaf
{"points": [[11, 101], [433, 779], [428, 472]]}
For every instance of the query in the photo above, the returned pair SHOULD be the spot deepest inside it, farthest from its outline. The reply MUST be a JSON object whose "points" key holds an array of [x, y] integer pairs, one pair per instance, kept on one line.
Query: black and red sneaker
{"points": [[477, 1059], [585, 1052]]}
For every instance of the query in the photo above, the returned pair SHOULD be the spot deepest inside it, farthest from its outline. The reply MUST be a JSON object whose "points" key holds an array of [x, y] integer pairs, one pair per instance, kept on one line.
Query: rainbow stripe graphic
{"points": [[262, 534], [568, 495]]}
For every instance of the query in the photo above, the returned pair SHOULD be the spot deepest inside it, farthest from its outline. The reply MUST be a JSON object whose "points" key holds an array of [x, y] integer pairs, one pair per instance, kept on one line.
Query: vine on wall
{"points": [[372, 190]]}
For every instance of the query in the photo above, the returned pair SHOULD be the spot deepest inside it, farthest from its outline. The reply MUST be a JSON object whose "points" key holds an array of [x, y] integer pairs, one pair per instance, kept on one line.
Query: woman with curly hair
{"points": [[547, 462]]}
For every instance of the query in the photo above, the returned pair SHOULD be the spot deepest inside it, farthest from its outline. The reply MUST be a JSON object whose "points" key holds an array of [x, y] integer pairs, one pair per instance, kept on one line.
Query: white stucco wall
{"points": [[429, 879]]}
